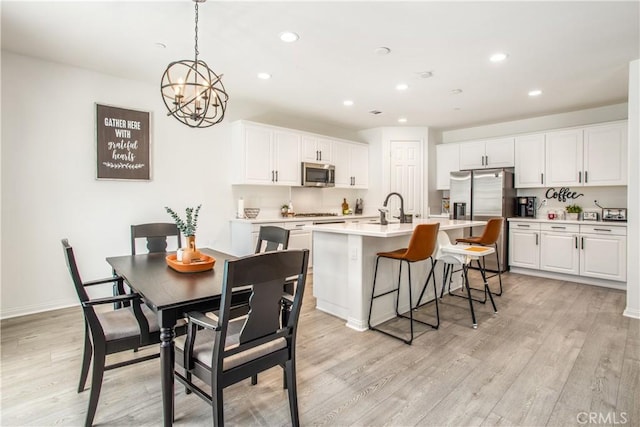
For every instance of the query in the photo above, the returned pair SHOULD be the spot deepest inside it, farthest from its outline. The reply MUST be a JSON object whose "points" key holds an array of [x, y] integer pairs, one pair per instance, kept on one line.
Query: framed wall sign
{"points": [[123, 143]]}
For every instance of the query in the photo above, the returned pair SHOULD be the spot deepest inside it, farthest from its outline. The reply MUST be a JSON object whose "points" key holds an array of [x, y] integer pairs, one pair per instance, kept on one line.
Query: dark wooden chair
{"points": [[226, 351], [156, 234], [109, 332], [272, 238]]}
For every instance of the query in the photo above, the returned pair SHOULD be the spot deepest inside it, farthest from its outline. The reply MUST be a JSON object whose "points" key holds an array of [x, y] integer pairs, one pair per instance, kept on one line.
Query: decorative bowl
{"points": [[205, 263], [251, 213]]}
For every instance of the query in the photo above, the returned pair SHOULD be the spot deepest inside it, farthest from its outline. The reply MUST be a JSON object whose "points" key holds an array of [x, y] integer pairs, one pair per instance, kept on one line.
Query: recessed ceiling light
{"points": [[382, 50], [264, 76], [289, 37], [456, 92], [347, 102], [402, 86], [402, 120], [535, 92], [425, 74], [498, 57]]}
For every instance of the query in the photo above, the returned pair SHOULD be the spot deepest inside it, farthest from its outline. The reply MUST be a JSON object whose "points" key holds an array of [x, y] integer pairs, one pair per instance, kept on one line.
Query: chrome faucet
{"points": [[402, 216]]}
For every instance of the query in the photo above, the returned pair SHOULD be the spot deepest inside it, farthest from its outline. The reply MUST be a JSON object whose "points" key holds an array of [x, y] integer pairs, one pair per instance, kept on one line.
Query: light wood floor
{"points": [[556, 352]]}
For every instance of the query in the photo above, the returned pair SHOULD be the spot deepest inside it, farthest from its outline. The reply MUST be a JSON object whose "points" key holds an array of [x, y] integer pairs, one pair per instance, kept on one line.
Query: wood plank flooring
{"points": [[556, 354]]}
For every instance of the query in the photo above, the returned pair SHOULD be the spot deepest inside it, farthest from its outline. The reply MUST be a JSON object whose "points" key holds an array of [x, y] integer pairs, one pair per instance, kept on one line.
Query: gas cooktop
{"points": [[316, 214]]}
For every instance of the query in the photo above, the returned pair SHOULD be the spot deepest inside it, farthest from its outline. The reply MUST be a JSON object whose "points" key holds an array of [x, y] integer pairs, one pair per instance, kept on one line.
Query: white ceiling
{"points": [[577, 53]]}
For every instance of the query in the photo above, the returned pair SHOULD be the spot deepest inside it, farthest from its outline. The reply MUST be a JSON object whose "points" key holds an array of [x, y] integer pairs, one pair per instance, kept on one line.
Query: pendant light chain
{"points": [[196, 46]]}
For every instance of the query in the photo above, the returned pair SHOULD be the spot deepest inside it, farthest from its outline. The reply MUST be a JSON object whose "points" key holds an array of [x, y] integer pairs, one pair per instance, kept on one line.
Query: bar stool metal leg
{"points": [[465, 269]]}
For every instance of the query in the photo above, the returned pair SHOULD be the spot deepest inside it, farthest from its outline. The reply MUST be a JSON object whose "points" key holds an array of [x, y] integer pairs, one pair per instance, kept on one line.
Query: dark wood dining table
{"points": [[170, 295]]}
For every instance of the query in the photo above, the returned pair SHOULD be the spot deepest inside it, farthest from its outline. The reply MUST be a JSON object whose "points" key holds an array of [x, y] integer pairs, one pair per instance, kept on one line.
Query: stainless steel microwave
{"points": [[318, 175]]}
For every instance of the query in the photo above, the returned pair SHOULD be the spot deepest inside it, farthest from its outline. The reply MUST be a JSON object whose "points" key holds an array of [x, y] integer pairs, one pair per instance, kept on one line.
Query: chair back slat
{"points": [[156, 235], [271, 238]]}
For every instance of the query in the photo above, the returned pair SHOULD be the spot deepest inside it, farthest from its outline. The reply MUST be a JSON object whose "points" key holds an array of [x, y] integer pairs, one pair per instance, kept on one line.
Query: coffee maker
{"points": [[526, 206]]}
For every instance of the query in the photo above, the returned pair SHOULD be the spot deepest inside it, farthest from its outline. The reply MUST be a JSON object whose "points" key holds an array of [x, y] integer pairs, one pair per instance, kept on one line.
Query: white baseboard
{"points": [[571, 278], [634, 314]]}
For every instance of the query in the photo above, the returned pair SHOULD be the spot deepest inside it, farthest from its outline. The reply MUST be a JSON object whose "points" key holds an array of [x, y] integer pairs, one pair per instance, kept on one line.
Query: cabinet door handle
{"points": [[273, 176], [541, 178], [558, 227], [586, 176], [276, 176], [523, 225], [576, 239], [300, 225], [582, 243], [536, 239], [603, 229], [486, 162], [482, 160], [319, 154], [580, 176]]}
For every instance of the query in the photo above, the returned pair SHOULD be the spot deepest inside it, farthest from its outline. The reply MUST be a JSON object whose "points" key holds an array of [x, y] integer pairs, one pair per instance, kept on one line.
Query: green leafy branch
{"points": [[189, 226]]}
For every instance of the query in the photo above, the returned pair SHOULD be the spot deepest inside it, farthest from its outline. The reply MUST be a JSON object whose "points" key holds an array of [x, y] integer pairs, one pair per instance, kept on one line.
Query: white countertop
{"points": [[304, 218], [567, 221], [390, 230]]}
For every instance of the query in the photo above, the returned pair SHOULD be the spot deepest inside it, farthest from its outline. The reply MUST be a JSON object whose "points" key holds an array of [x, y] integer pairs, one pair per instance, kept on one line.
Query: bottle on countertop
{"points": [[290, 211], [345, 207]]}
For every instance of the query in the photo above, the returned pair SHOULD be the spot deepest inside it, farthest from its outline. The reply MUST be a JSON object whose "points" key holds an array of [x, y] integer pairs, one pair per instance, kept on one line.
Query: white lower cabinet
{"points": [[603, 253], [299, 238], [559, 248], [524, 242], [597, 251]]}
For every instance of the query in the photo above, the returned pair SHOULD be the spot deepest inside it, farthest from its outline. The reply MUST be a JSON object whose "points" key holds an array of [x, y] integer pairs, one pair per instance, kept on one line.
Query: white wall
{"points": [[633, 191], [49, 190]]}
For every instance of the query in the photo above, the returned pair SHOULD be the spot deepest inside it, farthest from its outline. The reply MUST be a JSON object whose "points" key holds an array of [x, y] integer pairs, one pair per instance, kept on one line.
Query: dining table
{"points": [[171, 294]]}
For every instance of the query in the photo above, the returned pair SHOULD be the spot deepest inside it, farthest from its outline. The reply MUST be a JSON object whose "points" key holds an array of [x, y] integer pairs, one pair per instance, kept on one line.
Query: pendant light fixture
{"points": [[192, 92]]}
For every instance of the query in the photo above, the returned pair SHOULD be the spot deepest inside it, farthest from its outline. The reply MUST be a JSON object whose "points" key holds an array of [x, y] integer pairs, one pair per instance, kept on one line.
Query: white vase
{"points": [[572, 216]]}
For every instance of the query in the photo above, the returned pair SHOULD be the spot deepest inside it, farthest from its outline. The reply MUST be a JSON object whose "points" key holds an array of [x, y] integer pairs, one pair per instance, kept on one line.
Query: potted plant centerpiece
{"points": [[573, 211], [188, 228]]}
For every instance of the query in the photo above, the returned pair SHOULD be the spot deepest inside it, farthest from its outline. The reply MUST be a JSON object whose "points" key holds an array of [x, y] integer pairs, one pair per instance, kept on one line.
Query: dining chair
{"points": [[272, 238], [422, 246], [109, 332], [156, 235], [225, 351]]}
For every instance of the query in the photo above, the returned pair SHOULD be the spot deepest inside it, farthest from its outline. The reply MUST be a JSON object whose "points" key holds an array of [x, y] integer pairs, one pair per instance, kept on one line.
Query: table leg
{"points": [[167, 356]]}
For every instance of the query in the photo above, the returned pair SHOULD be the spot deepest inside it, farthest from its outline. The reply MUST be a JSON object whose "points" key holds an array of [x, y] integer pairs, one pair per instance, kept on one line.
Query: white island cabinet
{"points": [[344, 258]]}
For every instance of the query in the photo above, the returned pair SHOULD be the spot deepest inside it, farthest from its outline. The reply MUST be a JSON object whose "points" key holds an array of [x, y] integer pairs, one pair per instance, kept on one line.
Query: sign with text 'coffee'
{"points": [[122, 143]]}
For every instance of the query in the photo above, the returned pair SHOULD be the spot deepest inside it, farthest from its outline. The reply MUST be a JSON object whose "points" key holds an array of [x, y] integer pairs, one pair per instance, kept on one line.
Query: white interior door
{"points": [[406, 176]]}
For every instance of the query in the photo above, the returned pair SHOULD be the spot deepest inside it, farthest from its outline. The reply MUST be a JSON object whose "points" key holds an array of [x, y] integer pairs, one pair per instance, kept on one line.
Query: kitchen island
{"points": [[344, 259]]}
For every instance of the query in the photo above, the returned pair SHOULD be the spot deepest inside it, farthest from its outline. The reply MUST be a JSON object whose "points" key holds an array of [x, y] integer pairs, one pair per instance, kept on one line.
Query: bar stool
{"points": [[461, 256], [421, 247], [489, 237]]}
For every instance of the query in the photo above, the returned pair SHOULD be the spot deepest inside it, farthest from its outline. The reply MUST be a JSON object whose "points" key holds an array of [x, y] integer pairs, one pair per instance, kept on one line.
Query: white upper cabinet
{"points": [[264, 155], [529, 161], [605, 154], [316, 149], [352, 164], [492, 153], [447, 161], [591, 156], [564, 158]]}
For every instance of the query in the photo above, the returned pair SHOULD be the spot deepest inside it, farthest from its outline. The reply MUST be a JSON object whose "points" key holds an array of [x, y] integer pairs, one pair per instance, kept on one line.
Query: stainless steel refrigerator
{"points": [[482, 194]]}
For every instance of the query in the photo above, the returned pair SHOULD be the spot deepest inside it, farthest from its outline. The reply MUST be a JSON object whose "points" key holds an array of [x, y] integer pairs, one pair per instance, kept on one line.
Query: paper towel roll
{"points": [[240, 213]]}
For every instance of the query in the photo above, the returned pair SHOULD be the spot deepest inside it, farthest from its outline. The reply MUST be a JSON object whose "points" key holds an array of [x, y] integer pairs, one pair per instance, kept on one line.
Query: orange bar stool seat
{"points": [[422, 246]]}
